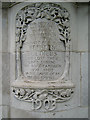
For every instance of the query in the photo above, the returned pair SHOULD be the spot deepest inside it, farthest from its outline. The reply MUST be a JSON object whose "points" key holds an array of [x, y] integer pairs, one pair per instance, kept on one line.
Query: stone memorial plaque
{"points": [[43, 55]]}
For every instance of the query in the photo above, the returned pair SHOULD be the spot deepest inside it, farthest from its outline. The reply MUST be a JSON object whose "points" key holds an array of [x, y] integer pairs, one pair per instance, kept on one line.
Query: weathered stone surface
{"points": [[0, 27], [84, 79], [0, 78], [5, 44], [0, 112], [5, 111], [5, 78], [75, 76], [82, 27], [71, 113]]}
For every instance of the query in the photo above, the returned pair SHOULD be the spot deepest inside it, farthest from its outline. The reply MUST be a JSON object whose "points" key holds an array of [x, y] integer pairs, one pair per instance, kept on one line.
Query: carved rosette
{"points": [[60, 90]]}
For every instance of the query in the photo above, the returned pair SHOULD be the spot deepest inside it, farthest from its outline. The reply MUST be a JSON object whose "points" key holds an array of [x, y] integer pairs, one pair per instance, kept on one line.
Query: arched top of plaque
{"points": [[49, 11], [28, 19]]}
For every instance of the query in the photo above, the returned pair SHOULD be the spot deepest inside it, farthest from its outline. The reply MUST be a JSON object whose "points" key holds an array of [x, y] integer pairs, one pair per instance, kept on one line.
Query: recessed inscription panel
{"points": [[43, 54]]}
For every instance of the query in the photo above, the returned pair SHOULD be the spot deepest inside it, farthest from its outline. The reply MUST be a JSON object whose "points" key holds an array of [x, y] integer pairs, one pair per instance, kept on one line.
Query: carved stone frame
{"points": [[38, 92]]}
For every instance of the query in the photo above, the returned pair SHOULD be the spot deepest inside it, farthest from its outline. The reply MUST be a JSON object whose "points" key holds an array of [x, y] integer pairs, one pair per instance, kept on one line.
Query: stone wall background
{"points": [[79, 60]]}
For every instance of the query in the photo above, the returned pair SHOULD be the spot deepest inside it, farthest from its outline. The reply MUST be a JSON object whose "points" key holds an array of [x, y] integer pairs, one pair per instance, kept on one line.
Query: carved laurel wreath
{"points": [[24, 17]]}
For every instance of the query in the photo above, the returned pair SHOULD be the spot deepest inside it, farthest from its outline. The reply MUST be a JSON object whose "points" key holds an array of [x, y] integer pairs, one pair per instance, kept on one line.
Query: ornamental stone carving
{"points": [[42, 55]]}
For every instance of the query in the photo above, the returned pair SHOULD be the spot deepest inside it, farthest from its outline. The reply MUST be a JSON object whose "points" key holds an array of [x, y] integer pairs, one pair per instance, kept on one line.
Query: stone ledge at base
{"points": [[25, 83], [46, 93]]}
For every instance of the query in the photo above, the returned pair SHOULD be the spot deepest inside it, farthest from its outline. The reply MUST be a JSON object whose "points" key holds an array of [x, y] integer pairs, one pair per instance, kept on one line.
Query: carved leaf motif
{"points": [[39, 10], [22, 92], [57, 20], [43, 96], [38, 15], [62, 37], [66, 23]]}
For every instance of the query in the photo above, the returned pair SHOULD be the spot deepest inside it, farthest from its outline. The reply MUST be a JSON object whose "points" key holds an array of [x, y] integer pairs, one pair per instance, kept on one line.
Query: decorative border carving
{"points": [[49, 11]]}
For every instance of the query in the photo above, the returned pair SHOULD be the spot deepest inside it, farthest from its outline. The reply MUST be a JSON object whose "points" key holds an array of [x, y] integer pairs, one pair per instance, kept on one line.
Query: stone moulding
{"points": [[46, 93]]}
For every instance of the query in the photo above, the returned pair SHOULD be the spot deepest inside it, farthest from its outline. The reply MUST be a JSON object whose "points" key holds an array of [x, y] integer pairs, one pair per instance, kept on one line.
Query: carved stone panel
{"points": [[42, 55]]}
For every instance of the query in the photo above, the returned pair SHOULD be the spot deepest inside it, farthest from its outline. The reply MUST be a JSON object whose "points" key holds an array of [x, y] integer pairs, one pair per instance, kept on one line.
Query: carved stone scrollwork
{"points": [[46, 93]]}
